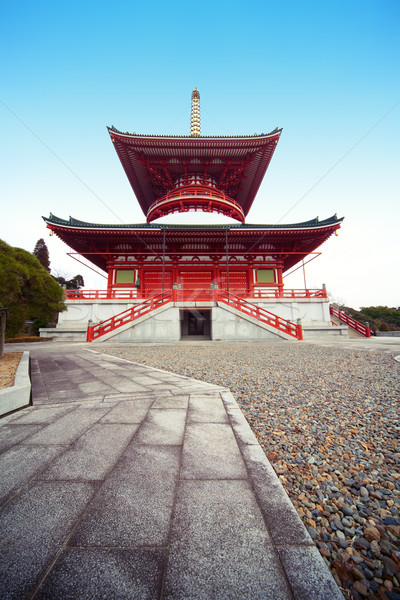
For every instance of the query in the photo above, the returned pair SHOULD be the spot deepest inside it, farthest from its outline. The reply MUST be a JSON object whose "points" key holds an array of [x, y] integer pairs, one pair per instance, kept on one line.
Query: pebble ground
{"points": [[328, 420]]}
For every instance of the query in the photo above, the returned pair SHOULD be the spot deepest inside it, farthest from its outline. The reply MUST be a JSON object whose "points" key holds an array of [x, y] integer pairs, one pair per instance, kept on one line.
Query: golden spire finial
{"points": [[195, 114]]}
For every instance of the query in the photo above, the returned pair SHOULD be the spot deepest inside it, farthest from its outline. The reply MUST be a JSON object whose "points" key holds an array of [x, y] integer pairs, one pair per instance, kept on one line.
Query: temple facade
{"points": [[167, 282]]}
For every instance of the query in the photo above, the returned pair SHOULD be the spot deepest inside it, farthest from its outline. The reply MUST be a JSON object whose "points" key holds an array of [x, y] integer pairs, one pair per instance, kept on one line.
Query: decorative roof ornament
{"points": [[195, 114]]}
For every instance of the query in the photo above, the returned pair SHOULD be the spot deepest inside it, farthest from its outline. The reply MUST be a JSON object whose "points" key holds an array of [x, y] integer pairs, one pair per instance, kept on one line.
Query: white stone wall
{"points": [[227, 326], [79, 312], [311, 311], [162, 327]]}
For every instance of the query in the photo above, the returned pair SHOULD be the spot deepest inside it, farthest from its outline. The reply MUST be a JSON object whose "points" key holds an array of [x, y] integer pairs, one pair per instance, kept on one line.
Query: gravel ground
{"points": [[327, 419]]}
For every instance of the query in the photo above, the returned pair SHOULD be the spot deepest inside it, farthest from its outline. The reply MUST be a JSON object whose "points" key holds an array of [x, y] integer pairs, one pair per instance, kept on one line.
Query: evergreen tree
{"points": [[27, 290], [42, 254]]}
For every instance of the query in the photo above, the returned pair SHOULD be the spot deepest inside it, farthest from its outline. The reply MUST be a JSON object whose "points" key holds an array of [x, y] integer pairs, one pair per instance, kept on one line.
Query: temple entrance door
{"points": [[238, 282], [152, 282], [196, 285]]}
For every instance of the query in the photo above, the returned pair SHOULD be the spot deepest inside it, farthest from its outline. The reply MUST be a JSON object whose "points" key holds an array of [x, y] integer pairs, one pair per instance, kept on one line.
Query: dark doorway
{"points": [[195, 324]]}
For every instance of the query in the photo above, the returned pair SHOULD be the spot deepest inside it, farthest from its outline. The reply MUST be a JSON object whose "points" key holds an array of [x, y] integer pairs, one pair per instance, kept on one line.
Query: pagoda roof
{"points": [[96, 242], [153, 163]]}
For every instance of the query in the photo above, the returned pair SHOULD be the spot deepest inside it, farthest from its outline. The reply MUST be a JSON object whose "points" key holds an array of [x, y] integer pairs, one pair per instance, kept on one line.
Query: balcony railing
{"points": [[100, 294], [195, 197], [194, 294], [282, 293]]}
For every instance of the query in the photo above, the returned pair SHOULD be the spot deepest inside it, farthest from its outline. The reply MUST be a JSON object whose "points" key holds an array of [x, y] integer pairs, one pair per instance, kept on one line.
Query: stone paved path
{"points": [[125, 482]]}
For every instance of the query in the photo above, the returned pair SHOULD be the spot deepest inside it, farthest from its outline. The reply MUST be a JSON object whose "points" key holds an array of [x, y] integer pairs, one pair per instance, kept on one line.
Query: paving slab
{"points": [[128, 411], [171, 402], [215, 553], [42, 415], [19, 464], [93, 455], [134, 506], [210, 451], [124, 482], [34, 526], [126, 386], [116, 574], [68, 427], [163, 427], [207, 408], [13, 434]]}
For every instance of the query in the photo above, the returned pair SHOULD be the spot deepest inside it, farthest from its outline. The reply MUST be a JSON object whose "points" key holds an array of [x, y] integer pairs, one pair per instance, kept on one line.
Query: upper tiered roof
{"points": [[154, 164], [180, 173]]}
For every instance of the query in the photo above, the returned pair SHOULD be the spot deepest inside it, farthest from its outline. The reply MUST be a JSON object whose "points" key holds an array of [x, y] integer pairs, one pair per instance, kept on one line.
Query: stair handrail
{"points": [[128, 315], [261, 314], [364, 330]]}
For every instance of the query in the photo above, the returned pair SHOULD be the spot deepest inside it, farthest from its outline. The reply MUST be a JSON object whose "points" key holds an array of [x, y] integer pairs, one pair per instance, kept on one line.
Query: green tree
{"points": [[76, 283], [391, 316], [27, 289], [42, 254]]}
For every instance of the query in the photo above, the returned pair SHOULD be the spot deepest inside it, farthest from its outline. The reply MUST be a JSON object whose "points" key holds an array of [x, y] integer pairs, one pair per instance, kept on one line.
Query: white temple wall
{"points": [[228, 327], [163, 327], [310, 311], [81, 311]]}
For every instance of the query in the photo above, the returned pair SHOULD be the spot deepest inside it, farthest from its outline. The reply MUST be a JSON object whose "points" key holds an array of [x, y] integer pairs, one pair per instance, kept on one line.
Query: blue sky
{"points": [[327, 72]]}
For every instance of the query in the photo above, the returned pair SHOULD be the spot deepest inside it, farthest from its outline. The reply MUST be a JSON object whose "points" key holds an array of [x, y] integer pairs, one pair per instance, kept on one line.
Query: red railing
{"points": [[347, 320], [190, 294], [126, 316], [261, 314], [192, 197], [282, 293], [100, 294]]}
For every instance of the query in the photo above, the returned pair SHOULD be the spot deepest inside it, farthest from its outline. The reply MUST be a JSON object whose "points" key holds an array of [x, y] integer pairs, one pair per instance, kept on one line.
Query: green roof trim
{"points": [[71, 222]]}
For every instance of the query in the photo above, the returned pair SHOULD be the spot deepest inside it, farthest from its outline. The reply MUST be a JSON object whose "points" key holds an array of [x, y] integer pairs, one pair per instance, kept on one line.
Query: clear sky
{"points": [[327, 72]]}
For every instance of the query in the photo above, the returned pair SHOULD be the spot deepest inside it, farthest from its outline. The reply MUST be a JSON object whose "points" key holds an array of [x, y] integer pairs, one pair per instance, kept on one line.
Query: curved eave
{"points": [[73, 223], [95, 242], [197, 154], [197, 139]]}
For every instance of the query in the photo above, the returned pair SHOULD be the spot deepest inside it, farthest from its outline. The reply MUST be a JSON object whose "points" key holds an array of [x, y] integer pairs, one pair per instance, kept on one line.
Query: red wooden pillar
{"points": [[279, 279], [175, 269], [140, 278], [216, 279], [250, 276], [110, 277]]}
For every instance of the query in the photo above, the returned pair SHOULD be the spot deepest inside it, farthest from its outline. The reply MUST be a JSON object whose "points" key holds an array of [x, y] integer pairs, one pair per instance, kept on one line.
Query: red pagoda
{"points": [[166, 282]]}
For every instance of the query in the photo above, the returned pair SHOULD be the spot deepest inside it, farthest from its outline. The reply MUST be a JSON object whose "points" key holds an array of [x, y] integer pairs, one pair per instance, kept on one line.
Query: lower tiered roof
{"points": [[98, 242]]}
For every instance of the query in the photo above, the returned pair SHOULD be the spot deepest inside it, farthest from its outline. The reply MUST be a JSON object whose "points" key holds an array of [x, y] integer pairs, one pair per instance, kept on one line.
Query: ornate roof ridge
{"points": [[72, 222], [189, 137]]}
